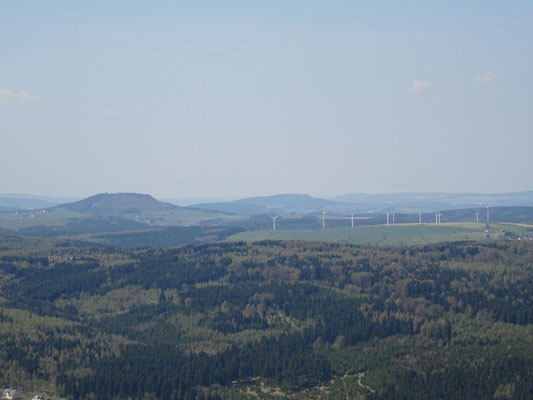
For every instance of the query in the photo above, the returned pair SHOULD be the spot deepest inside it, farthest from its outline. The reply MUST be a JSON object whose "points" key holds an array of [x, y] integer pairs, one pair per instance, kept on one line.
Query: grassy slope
{"points": [[382, 235]]}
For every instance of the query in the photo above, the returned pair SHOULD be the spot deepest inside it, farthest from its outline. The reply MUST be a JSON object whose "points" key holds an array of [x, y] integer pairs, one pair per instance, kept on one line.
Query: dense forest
{"points": [[269, 320]]}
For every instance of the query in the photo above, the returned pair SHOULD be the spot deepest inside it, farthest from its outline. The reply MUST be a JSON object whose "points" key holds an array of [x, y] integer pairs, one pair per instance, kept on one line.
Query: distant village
{"points": [[10, 394]]}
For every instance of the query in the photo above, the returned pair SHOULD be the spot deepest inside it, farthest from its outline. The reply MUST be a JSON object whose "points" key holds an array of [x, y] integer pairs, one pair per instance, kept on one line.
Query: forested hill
{"points": [[277, 204], [272, 319], [117, 204]]}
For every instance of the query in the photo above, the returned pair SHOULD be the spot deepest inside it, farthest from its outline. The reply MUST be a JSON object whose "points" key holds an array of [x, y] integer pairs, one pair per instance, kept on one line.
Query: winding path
{"points": [[360, 376]]}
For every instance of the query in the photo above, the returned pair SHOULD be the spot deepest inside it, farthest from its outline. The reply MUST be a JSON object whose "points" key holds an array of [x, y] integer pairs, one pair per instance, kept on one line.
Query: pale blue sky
{"points": [[231, 98]]}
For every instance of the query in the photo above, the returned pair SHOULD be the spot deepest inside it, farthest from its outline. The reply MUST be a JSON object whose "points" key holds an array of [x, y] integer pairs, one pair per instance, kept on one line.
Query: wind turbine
{"points": [[440, 215], [488, 214], [477, 216], [324, 220], [352, 219], [436, 217], [393, 218], [274, 222], [387, 219], [419, 218]]}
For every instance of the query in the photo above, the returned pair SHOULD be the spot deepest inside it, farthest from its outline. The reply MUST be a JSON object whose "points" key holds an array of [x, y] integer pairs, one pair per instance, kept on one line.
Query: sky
{"points": [[185, 99]]}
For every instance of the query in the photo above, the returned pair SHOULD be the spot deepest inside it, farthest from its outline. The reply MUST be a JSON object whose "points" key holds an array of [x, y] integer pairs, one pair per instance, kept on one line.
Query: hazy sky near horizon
{"points": [[234, 98]]}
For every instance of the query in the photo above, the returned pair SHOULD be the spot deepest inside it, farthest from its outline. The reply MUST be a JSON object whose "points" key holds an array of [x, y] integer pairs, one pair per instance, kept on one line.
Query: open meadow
{"points": [[398, 234]]}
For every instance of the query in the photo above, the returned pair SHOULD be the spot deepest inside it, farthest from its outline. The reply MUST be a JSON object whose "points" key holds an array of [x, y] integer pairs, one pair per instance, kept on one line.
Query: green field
{"points": [[26, 219], [399, 234]]}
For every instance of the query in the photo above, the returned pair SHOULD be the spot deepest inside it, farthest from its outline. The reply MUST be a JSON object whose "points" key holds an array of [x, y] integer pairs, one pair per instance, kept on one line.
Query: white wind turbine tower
{"points": [[488, 214], [387, 219], [440, 215], [393, 218], [274, 222], [324, 220], [352, 219], [436, 217], [419, 218], [477, 216]]}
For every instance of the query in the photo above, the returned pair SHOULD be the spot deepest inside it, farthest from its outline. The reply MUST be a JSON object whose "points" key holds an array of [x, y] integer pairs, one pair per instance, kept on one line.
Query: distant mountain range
{"points": [[368, 203], [112, 203], [116, 212], [12, 202], [423, 202]]}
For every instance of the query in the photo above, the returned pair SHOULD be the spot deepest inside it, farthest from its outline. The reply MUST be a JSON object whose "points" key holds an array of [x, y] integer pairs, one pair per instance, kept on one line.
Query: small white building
{"points": [[10, 394]]}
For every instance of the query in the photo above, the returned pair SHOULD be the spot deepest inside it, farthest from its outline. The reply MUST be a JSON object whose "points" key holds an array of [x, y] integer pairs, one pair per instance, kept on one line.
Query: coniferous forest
{"points": [[269, 320]]}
